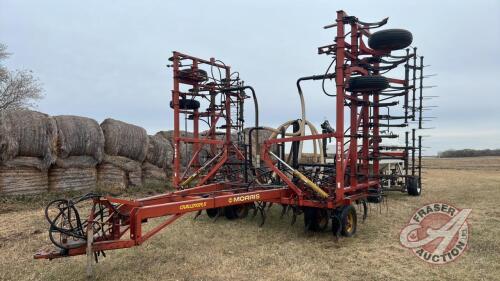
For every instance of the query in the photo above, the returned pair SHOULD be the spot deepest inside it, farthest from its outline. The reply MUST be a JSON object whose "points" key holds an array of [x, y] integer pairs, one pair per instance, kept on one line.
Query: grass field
{"points": [[240, 250]]}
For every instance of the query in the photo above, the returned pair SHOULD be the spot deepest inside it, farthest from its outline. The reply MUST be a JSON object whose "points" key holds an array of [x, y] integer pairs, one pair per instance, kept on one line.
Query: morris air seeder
{"points": [[231, 172]]}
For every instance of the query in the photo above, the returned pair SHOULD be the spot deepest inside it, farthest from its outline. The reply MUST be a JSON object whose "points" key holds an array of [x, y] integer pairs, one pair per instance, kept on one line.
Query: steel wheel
{"points": [[349, 220]]}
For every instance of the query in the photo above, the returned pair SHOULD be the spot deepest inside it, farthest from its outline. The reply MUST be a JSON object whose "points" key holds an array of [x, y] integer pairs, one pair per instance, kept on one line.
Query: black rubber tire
{"points": [[413, 186], [212, 213], [315, 219], [187, 104], [199, 75], [347, 230], [367, 83], [390, 39], [236, 211]]}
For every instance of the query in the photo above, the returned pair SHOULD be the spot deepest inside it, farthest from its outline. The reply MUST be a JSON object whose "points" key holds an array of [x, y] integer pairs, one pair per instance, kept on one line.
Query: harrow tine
{"points": [[365, 210], [306, 227], [262, 215], [252, 206], [294, 216], [283, 210], [336, 226], [219, 212], [197, 215]]}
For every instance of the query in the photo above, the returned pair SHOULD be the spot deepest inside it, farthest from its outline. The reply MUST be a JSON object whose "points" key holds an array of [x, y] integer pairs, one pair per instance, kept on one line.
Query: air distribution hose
{"points": [[317, 144]]}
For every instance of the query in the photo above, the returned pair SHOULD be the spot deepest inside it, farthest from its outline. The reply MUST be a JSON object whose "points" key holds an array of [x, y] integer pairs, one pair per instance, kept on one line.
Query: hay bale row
{"points": [[40, 153]]}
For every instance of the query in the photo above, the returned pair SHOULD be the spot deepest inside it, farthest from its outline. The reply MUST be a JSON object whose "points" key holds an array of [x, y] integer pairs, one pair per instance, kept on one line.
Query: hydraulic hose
{"points": [[303, 122]]}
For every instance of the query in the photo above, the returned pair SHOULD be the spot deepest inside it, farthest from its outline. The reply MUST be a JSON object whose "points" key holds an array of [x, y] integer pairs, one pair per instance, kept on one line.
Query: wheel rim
{"points": [[349, 222], [322, 219]]}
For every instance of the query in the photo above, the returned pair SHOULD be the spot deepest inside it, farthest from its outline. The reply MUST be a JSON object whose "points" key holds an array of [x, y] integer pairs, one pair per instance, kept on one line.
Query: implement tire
{"points": [[349, 220], [187, 104], [367, 83], [390, 39]]}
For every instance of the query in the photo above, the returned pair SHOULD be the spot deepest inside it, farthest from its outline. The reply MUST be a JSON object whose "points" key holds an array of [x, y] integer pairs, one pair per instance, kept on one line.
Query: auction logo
{"points": [[437, 233]]}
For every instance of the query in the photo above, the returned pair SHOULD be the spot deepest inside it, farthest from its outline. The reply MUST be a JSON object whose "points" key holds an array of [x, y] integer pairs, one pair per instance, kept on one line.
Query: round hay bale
{"points": [[160, 152], [118, 171], [25, 162], [65, 179], [264, 134], [82, 162], [22, 180], [124, 163], [186, 149], [108, 175], [79, 136], [27, 133], [123, 139], [151, 174]]}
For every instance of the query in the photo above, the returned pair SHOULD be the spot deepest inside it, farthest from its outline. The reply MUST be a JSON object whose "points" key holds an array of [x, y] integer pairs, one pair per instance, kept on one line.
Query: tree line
{"points": [[19, 89], [468, 153]]}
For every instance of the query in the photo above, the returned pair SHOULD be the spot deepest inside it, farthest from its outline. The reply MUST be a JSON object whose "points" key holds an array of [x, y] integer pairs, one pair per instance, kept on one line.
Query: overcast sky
{"points": [[108, 58]]}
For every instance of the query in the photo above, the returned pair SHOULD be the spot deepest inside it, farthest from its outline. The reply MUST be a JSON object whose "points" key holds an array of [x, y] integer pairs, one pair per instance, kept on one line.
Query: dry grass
{"points": [[240, 250]]}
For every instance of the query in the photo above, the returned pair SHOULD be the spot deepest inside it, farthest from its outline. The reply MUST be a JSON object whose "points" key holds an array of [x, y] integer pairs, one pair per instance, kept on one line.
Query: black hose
{"points": [[66, 212]]}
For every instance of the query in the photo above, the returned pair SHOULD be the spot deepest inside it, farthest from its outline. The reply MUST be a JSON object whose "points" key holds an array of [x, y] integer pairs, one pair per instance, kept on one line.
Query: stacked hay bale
{"points": [[156, 168], [80, 147], [27, 149], [264, 134], [125, 148], [186, 149]]}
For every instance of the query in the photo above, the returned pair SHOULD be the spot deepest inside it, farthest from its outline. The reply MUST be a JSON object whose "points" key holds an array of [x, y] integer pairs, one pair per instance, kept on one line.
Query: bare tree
{"points": [[18, 89]]}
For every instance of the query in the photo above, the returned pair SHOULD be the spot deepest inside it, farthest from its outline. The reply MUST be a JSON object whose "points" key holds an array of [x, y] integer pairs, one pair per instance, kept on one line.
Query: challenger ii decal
{"points": [[193, 206]]}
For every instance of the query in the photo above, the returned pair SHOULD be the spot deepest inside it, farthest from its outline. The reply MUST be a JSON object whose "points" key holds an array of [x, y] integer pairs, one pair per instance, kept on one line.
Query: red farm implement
{"points": [[224, 175]]}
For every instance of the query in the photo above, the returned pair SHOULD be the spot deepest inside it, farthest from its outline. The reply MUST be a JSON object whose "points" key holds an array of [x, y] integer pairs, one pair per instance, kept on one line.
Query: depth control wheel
{"points": [[413, 186], [212, 213], [349, 220], [315, 219], [236, 211]]}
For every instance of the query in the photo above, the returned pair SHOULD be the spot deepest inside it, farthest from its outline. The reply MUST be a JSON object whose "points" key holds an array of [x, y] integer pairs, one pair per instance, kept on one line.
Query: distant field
{"points": [[240, 250], [487, 163]]}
